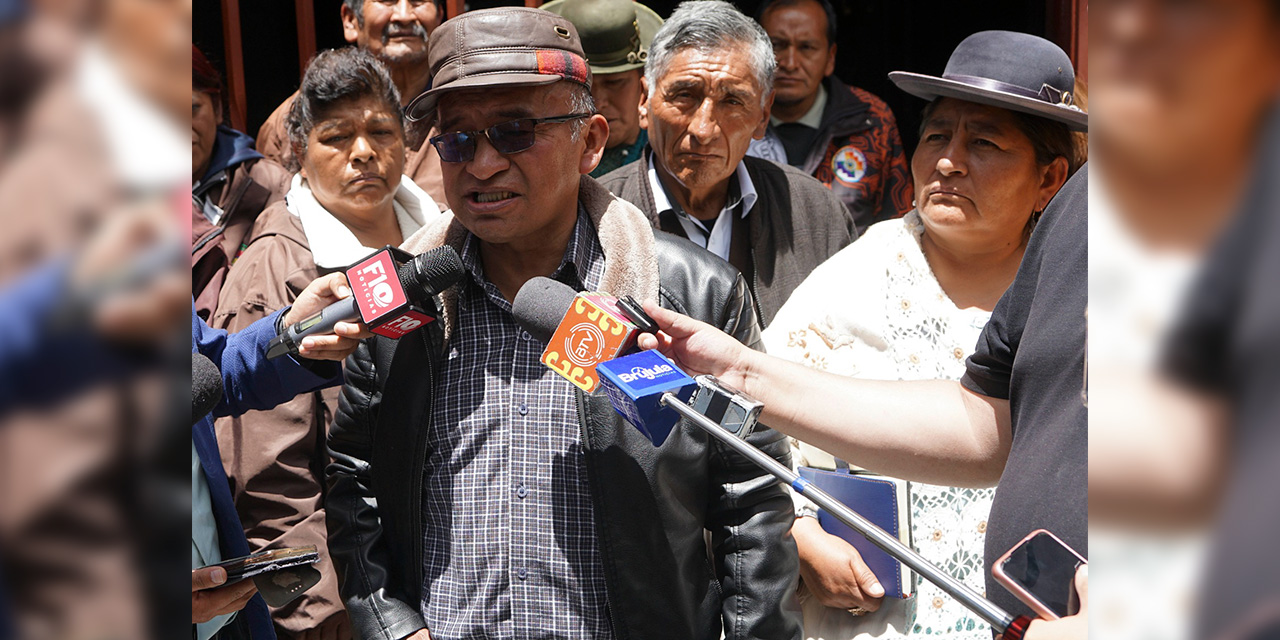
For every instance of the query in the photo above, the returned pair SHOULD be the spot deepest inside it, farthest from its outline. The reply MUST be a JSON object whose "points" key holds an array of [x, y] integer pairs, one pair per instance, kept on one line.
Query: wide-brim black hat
{"points": [[1005, 69]]}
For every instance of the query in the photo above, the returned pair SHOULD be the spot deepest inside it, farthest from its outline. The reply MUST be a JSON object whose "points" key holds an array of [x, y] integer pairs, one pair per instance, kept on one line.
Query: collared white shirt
{"points": [[813, 117], [720, 238]]}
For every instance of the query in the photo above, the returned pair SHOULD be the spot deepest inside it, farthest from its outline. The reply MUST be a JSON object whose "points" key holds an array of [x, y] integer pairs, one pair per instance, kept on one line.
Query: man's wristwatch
{"points": [[806, 511]]}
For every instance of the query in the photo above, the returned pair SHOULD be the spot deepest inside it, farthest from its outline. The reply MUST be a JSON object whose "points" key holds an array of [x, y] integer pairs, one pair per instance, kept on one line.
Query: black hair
{"points": [[334, 77], [768, 5], [1049, 138]]}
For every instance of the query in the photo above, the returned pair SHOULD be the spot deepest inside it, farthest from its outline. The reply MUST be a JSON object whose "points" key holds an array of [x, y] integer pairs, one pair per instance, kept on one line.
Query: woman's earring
{"points": [[913, 204]]}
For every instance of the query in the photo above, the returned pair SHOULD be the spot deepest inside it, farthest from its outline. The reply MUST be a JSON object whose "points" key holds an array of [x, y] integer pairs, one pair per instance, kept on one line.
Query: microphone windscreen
{"points": [[432, 272], [540, 305], [206, 386]]}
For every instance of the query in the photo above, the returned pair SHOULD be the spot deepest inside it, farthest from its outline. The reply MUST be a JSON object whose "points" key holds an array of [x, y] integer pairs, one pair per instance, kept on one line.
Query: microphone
{"points": [[641, 393], [387, 305], [636, 385], [641, 385], [581, 330], [206, 387]]}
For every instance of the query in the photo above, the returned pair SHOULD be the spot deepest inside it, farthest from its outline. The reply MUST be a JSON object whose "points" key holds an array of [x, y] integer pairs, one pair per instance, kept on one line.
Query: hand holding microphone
{"points": [[641, 385], [322, 293], [382, 291]]}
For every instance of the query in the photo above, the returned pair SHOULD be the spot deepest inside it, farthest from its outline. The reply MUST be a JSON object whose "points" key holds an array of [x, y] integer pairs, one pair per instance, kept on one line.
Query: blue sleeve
{"points": [[251, 381], [42, 359]]}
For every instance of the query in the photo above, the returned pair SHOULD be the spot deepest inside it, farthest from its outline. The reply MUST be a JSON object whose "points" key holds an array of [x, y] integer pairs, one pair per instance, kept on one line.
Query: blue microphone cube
{"points": [[635, 384]]}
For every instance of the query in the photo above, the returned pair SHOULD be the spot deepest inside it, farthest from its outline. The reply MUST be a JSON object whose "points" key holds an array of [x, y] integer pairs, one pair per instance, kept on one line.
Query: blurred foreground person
{"points": [[100, 141], [231, 184], [709, 86], [1181, 148], [1016, 416], [987, 164], [249, 381], [476, 493], [396, 32], [349, 199], [844, 136], [616, 35]]}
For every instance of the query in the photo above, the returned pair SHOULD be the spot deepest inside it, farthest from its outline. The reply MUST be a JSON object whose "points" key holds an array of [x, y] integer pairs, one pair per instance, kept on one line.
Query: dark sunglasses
{"points": [[507, 137]]}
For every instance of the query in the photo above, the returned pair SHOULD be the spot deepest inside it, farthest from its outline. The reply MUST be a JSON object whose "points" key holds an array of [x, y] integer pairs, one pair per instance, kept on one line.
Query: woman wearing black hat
{"points": [[995, 147]]}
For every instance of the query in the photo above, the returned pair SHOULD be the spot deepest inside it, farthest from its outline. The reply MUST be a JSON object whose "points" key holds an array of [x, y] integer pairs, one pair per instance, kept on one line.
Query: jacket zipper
{"points": [[580, 397], [421, 444], [755, 286], [217, 231]]}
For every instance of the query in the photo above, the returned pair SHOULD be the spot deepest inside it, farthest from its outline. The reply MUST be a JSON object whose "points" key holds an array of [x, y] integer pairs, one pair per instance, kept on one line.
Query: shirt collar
{"points": [[813, 117], [744, 194]]}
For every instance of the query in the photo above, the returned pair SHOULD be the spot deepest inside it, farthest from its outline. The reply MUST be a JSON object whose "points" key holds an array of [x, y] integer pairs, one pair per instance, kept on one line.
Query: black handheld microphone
{"points": [[383, 303], [206, 386]]}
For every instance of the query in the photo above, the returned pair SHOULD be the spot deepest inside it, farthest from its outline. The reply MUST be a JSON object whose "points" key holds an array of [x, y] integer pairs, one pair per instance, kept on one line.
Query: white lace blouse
{"points": [[875, 310]]}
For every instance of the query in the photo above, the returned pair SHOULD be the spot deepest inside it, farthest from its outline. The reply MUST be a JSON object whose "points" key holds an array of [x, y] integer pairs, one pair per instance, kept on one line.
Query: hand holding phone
{"points": [[211, 596], [280, 575], [1072, 627], [1040, 571]]}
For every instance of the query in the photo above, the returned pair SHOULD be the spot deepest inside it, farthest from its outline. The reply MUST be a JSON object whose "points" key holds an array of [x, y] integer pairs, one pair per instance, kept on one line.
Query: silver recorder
{"points": [[735, 411]]}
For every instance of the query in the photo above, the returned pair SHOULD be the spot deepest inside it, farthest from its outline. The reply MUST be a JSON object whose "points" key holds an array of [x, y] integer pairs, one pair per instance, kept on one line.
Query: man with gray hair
{"points": [[474, 492], [708, 92]]}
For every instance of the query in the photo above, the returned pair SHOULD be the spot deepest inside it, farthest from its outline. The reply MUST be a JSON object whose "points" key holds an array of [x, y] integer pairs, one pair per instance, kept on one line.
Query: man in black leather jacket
{"points": [[472, 491]]}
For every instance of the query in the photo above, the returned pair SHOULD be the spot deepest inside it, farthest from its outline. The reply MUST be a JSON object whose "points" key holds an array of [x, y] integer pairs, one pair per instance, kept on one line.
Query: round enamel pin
{"points": [[849, 165]]}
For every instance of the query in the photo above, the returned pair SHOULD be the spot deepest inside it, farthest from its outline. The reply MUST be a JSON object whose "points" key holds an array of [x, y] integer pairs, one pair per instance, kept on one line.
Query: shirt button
{"points": [[524, 335], [522, 573], [959, 353], [523, 409], [521, 490]]}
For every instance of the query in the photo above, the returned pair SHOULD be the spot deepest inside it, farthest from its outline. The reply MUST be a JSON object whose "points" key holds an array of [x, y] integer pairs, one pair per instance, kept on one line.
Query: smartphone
{"points": [[268, 561], [1041, 572], [281, 575]]}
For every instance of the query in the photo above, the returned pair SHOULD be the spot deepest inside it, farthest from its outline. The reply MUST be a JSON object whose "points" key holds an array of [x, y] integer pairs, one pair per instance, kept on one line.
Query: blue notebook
{"points": [[883, 501]]}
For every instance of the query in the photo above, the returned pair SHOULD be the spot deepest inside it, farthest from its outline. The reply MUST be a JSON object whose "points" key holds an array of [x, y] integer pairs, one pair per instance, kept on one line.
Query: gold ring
{"points": [[859, 611]]}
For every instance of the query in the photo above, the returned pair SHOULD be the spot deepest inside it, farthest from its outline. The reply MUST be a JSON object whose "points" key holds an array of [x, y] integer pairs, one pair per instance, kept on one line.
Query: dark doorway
{"points": [[875, 37]]}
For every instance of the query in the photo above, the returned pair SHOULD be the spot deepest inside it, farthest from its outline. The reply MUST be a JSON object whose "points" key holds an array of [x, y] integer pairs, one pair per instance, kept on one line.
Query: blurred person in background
{"points": [[396, 32], [987, 165], [349, 199], [842, 135], [1185, 91], [230, 185], [249, 381], [99, 141], [616, 35], [709, 85]]}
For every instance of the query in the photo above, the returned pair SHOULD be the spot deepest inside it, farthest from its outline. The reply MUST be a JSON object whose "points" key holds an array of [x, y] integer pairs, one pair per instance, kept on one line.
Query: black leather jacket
{"points": [[652, 505]]}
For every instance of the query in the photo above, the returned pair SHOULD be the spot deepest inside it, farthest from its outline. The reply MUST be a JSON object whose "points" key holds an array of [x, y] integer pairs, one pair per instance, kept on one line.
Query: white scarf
{"points": [[332, 244]]}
